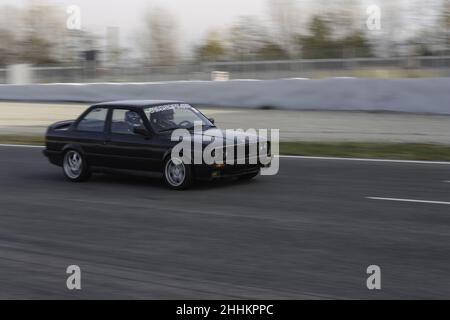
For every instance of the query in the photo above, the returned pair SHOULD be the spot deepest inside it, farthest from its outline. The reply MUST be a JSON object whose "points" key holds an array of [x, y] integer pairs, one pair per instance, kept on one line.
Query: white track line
{"points": [[409, 200], [367, 159], [296, 157], [21, 145]]}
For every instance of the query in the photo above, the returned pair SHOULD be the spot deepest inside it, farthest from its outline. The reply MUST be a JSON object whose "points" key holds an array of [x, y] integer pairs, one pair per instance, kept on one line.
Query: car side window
{"points": [[124, 121], [94, 121]]}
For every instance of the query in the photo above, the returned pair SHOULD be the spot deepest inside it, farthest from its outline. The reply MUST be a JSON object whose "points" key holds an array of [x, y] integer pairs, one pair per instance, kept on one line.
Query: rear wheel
{"points": [[177, 175], [75, 167]]}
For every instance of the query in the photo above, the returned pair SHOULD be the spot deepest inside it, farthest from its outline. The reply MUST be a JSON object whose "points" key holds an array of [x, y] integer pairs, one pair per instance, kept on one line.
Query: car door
{"points": [[89, 135], [127, 149]]}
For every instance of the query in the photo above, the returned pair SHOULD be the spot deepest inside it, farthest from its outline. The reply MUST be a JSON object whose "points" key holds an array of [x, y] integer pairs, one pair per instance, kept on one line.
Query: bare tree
{"points": [[43, 29], [212, 48], [246, 37], [445, 25], [9, 24], [158, 37], [286, 21], [345, 16], [33, 34], [7, 52]]}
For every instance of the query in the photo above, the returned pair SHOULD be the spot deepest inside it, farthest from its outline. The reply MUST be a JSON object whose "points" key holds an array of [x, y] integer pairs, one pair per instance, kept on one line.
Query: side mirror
{"points": [[211, 120], [141, 130]]}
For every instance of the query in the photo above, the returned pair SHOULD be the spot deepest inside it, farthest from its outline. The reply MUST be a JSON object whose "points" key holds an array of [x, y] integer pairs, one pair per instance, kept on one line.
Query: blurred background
{"points": [[44, 41], [390, 59], [340, 78]]}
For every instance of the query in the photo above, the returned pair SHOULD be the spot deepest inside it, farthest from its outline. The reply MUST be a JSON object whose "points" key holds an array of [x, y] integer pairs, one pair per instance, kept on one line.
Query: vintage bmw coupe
{"points": [[137, 135]]}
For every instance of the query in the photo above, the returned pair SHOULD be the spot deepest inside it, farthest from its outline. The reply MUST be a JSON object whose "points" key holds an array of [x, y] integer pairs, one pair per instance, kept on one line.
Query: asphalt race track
{"points": [[309, 232]]}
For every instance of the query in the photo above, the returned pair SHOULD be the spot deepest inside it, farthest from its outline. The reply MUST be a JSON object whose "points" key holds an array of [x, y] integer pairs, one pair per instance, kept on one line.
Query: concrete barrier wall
{"points": [[421, 95]]}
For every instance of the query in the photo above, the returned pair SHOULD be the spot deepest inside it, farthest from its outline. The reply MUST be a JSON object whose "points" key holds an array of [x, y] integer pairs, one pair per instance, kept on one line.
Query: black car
{"points": [[136, 135]]}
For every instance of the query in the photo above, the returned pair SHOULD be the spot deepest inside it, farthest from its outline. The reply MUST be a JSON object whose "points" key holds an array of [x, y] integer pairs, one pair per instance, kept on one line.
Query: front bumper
{"points": [[215, 171]]}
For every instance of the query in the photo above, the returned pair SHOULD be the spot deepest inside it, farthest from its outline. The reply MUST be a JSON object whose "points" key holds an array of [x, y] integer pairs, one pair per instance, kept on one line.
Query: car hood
{"points": [[226, 136]]}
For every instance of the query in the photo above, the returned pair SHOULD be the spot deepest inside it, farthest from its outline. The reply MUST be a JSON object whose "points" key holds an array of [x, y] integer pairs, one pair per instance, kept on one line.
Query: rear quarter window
{"points": [[94, 121]]}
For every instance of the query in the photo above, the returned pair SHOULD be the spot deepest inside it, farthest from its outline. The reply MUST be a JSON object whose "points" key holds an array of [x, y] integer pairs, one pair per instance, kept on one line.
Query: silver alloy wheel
{"points": [[175, 172], [73, 164]]}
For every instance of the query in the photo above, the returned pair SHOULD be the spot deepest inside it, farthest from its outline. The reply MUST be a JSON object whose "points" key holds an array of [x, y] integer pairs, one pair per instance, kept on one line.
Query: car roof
{"points": [[135, 103]]}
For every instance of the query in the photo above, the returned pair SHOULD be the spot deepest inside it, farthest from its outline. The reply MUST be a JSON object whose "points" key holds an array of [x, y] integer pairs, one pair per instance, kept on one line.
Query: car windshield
{"points": [[169, 117]]}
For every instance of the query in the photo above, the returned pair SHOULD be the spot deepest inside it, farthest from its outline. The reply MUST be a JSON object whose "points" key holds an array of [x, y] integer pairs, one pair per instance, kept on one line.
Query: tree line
{"points": [[311, 29]]}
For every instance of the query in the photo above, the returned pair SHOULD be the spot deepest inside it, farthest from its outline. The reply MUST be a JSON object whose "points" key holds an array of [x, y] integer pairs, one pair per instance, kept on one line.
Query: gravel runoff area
{"points": [[326, 126]]}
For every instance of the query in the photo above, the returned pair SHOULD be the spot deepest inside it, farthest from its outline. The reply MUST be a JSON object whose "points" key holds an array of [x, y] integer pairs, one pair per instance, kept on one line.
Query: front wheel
{"points": [[177, 175], [75, 167]]}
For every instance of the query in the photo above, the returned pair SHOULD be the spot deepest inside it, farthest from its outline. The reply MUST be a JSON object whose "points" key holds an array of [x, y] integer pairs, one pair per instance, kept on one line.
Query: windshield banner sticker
{"points": [[169, 107]]}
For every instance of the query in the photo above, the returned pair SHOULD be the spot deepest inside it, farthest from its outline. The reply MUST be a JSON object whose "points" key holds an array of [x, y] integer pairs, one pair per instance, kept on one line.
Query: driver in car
{"points": [[132, 120], [163, 119]]}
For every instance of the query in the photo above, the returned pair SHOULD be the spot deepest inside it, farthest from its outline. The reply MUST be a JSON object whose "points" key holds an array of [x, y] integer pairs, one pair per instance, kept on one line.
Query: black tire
{"points": [[249, 176], [73, 172], [181, 181]]}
